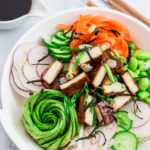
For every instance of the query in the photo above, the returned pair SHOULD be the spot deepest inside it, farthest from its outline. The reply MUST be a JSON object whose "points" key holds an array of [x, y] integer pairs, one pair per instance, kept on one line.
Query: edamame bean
{"points": [[133, 74], [143, 94], [143, 73], [132, 47], [137, 72], [143, 83], [133, 63], [142, 55], [140, 62], [145, 66], [147, 101]]}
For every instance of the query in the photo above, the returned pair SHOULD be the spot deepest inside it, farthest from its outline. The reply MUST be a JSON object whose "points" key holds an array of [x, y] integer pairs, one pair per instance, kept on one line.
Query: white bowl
{"points": [[12, 104]]}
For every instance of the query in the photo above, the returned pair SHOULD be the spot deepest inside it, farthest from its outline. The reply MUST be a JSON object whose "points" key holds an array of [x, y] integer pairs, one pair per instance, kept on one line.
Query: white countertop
{"points": [[9, 38]]}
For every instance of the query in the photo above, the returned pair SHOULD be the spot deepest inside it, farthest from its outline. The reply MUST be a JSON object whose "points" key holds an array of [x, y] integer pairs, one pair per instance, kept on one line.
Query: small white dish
{"points": [[12, 104], [37, 10]]}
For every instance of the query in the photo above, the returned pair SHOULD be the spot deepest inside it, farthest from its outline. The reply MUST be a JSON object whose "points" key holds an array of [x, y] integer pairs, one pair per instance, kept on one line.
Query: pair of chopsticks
{"points": [[123, 7]]}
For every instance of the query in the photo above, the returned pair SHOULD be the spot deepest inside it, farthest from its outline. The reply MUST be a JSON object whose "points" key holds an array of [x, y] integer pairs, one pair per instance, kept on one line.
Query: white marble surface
{"points": [[9, 38]]}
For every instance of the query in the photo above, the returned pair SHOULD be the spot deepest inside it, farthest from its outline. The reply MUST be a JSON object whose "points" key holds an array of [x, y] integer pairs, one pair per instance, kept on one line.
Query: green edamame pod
{"points": [[143, 83], [133, 63], [143, 94], [142, 55], [147, 101]]}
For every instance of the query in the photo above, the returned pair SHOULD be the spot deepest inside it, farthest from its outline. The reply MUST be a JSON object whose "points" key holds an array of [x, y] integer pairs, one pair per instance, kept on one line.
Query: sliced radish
{"points": [[24, 80], [18, 89], [93, 143], [141, 127], [17, 80], [37, 53], [30, 73], [20, 54]]}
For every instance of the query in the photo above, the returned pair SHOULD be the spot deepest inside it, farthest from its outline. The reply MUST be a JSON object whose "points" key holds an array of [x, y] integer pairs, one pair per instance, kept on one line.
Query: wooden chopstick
{"points": [[132, 11], [123, 7], [91, 4]]}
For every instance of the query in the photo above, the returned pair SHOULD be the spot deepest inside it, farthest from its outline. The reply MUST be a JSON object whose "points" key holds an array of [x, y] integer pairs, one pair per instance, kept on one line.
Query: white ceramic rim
{"points": [[12, 137]]}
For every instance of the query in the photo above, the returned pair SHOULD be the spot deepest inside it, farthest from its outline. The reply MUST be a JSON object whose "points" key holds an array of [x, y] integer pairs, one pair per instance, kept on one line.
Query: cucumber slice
{"points": [[125, 141], [60, 35], [123, 119], [120, 128], [48, 43], [62, 58], [58, 42], [67, 34], [57, 51]]}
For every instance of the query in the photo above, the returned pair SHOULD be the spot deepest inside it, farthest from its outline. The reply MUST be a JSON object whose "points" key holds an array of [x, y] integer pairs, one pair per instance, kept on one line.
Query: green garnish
{"points": [[109, 73]]}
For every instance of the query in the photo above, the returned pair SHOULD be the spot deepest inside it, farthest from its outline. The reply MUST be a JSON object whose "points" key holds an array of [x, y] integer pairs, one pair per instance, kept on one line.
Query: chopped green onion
{"points": [[109, 73]]}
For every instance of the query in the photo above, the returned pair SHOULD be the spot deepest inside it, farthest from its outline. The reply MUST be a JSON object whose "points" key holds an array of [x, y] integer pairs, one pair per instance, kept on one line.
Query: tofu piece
{"points": [[84, 114], [98, 113], [120, 101], [100, 74], [113, 88], [53, 71], [74, 85], [95, 53], [130, 83], [71, 68], [88, 114], [105, 111]]}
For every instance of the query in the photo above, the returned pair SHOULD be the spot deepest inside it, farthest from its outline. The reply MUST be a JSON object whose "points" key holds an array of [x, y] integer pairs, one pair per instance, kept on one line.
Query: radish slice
{"points": [[93, 143], [18, 89], [141, 127], [23, 80], [30, 73], [20, 54], [17, 80], [40, 68], [37, 53]]}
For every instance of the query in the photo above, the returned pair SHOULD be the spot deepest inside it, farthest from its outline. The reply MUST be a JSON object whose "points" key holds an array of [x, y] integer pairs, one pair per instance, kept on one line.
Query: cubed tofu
{"points": [[130, 83], [99, 76], [94, 53], [113, 88], [105, 111], [53, 71], [74, 85], [120, 101], [84, 114]]}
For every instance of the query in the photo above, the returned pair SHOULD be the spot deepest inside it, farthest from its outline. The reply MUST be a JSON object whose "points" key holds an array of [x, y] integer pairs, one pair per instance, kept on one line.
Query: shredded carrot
{"points": [[108, 31]]}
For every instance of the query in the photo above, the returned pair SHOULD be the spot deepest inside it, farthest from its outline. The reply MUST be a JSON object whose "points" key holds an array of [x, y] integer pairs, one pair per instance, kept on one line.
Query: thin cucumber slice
{"points": [[58, 51], [123, 119], [125, 141], [48, 43], [60, 35], [63, 58], [58, 42], [67, 34]]}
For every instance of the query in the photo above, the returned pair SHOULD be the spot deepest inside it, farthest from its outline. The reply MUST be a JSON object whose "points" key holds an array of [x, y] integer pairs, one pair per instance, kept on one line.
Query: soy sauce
{"points": [[12, 9]]}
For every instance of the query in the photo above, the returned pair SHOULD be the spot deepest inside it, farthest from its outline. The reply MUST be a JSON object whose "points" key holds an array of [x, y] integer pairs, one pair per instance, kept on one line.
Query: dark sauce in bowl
{"points": [[12, 9]]}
